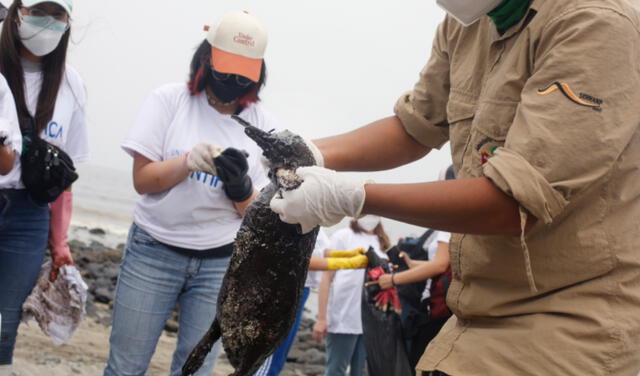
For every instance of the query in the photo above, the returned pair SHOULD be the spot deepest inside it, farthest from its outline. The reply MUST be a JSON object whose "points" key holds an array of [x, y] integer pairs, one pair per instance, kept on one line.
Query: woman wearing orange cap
{"points": [[196, 172]]}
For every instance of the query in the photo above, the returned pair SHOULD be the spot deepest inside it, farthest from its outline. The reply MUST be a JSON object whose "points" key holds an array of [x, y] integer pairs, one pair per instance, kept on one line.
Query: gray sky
{"points": [[332, 65]]}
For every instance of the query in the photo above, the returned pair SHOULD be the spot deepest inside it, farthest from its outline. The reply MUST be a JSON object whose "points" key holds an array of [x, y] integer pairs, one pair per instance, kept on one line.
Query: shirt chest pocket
{"points": [[460, 114], [489, 130]]}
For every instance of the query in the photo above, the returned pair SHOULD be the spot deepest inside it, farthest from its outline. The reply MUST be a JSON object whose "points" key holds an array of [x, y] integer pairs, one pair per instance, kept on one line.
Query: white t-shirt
{"points": [[314, 276], [345, 297], [9, 120], [194, 214], [431, 249], [67, 128]]}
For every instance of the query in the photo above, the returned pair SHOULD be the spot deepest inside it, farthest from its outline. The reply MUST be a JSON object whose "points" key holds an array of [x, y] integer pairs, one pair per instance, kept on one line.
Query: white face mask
{"points": [[41, 35], [468, 12], [369, 222]]}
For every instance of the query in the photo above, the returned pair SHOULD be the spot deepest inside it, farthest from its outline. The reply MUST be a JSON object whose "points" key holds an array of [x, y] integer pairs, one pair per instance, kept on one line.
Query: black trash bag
{"points": [[382, 332], [414, 312]]}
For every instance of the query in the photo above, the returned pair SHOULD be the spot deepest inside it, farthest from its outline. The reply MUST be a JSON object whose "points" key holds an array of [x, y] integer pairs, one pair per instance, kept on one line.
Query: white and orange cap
{"points": [[238, 41]]}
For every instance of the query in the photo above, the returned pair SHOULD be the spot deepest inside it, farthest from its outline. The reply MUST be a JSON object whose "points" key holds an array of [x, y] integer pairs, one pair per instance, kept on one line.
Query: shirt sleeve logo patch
{"points": [[487, 148], [582, 99]]}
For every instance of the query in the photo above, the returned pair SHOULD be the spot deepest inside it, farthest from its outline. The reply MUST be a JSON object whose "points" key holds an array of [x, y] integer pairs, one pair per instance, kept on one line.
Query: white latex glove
{"points": [[323, 199], [201, 157]]}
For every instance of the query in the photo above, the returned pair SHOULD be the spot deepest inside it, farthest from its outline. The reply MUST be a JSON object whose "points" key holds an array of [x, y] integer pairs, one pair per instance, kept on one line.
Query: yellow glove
{"points": [[358, 261], [348, 253]]}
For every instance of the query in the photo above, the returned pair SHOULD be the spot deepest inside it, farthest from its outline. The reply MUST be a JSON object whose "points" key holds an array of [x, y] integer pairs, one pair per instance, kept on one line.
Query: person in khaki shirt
{"points": [[543, 118]]}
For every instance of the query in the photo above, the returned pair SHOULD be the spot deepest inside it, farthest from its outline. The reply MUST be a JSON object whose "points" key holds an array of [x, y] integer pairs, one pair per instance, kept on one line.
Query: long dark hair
{"points": [[53, 68], [383, 238], [200, 65]]}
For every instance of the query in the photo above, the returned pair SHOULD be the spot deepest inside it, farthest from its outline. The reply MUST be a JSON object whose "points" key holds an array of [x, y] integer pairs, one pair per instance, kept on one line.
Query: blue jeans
{"points": [[24, 231], [153, 278], [275, 363], [345, 350]]}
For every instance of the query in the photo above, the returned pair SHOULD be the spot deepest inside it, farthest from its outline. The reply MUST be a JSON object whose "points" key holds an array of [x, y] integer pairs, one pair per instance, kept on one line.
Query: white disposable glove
{"points": [[323, 199], [200, 158]]}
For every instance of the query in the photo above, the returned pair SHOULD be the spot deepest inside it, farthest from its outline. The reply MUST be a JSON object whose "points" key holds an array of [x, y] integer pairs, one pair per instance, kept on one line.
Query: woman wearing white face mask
{"points": [[339, 299], [49, 96]]}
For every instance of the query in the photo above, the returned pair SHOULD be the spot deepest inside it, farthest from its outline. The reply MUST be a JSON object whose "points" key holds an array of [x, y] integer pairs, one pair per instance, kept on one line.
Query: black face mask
{"points": [[228, 89]]}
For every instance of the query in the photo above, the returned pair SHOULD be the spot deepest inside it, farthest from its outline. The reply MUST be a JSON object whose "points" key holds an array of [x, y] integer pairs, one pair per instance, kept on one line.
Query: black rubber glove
{"points": [[232, 167]]}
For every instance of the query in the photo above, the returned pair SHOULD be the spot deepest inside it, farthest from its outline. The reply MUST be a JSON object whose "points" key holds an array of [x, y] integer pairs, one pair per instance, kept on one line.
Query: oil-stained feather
{"points": [[261, 290]]}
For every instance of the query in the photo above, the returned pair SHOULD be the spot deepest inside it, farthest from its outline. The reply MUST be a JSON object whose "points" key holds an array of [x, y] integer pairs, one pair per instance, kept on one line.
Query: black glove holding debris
{"points": [[232, 167]]}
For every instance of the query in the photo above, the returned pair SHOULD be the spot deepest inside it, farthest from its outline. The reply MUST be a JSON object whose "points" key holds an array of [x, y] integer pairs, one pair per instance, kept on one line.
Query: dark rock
{"points": [[95, 270], [111, 271], [97, 231], [97, 246], [305, 343], [305, 337], [313, 356], [104, 295], [76, 244], [171, 326], [101, 283], [306, 324], [295, 355]]}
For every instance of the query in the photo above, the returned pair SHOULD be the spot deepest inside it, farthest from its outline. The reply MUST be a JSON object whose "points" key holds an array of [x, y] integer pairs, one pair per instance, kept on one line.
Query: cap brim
{"points": [[63, 4], [225, 62]]}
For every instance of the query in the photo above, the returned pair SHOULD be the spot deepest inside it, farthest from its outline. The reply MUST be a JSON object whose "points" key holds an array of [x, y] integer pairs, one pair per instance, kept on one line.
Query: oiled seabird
{"points": [[261, 290]]}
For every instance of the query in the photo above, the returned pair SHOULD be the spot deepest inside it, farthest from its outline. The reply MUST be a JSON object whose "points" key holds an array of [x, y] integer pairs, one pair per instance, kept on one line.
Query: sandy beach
{"points": [[97, 254], [85, 354]]}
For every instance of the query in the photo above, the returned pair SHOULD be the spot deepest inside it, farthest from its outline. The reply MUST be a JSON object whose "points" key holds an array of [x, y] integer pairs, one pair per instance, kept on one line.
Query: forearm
{"points": [[241, 207], [416, 263], [318, 263], [323, 295], [422, 272], [381, 145], [154, 177], [470, 206], [7, 158]]}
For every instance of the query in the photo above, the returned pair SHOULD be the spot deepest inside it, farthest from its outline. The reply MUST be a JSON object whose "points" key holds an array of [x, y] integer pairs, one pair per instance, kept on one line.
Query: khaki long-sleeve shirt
{"points": [[550, 112]]}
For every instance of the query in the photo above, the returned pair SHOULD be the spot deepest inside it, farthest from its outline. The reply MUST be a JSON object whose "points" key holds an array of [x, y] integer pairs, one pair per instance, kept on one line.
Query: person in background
{"points": [[33, 51], [190, 166], [437, 264], [539, 101], [339, 299], [10, 148]]}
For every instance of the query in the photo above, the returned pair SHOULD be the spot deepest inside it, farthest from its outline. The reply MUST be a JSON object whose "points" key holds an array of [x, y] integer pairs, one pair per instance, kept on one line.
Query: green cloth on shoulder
{"points": [[509, 13]]}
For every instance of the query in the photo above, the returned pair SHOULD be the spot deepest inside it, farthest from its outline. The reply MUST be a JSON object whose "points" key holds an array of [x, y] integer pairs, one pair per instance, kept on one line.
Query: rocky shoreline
{"points": [[99, 265]]}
